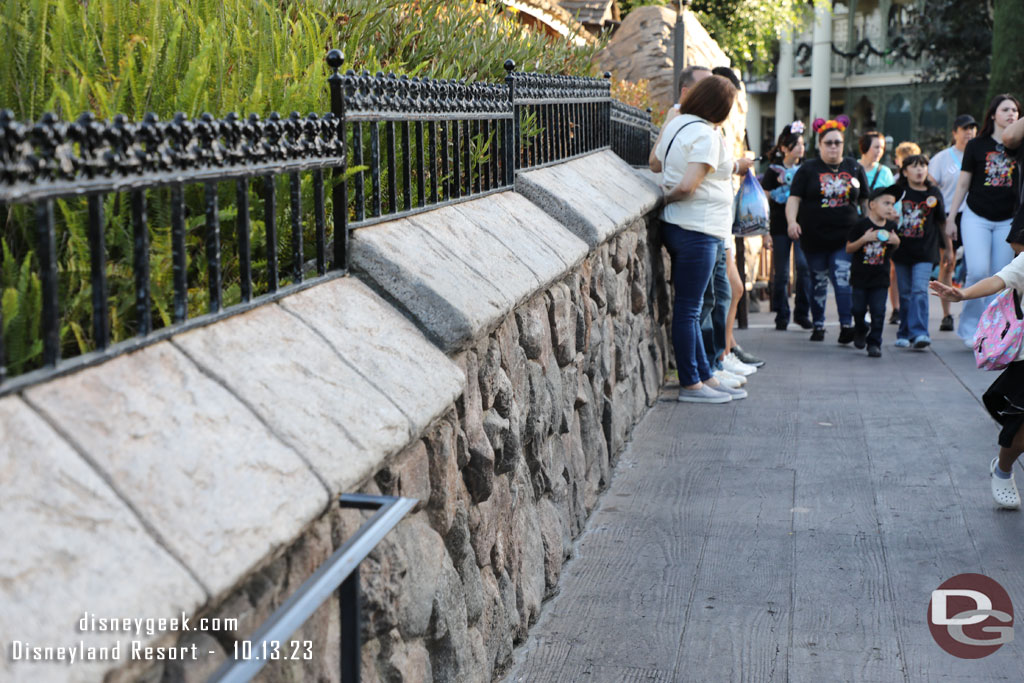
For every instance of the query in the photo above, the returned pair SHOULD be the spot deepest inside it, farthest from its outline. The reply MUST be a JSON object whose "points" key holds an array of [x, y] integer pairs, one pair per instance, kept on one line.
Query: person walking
{"points": [[872, 149], [988, 179], [921, 228], [696, 219], [871, 243], [902, 151], [1004, 399], [784, 160], [821, 209], [944, 168]]}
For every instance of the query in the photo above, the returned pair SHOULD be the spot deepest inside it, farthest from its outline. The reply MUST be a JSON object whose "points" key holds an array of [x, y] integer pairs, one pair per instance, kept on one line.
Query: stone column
{"points": [[821, 61], [784, 90]]}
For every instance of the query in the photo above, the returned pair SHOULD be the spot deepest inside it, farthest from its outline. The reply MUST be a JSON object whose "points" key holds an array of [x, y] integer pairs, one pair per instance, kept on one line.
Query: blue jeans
{"points": [[693, 259], [913, 285], [986, 251], [826, 265], [864, 300], [715, 309], [780, 298]]}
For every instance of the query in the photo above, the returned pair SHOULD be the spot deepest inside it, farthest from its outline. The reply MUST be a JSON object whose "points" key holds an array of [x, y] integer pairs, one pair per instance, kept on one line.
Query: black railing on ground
{"points": [[244, 210], [272, 640]]}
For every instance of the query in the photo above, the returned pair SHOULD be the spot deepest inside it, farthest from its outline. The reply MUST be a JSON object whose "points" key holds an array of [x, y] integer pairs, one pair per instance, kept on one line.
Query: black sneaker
{"points": [[874, 352], [860, 338], [947, 324], [846, 334], [894, 319], [748, 358], [818, 334], [804, 323], [781, 327]]}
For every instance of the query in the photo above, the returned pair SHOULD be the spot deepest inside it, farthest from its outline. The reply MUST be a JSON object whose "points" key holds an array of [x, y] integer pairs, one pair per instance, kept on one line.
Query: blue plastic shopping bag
{"points": [[751, 214]]}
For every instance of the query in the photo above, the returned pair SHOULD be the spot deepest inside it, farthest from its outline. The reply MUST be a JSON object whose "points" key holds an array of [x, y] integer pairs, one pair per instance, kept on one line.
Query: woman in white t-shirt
{"points": [[1004, 400], [696, 218]]}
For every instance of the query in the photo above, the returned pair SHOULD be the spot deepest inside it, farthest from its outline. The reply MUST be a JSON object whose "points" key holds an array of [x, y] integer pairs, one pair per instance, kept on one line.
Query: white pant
{"points": [[986, 252]]}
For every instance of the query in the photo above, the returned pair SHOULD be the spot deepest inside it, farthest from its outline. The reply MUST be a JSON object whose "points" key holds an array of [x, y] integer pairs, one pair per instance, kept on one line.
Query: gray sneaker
{"points": [[704, 395], [736, 393]]}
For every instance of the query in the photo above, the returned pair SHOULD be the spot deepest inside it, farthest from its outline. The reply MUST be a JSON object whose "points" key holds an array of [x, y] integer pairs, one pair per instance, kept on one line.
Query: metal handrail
{"points": [[340, 570]]}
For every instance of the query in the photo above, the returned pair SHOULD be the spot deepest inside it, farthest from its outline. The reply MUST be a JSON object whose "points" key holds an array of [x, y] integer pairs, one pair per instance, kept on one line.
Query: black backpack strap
{"points": [[669, 148]]}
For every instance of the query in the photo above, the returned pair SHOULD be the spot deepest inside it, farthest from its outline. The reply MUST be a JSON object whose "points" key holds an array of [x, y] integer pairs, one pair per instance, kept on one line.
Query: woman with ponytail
{"points": [[990, 172], [784, 160], [821, 209]]}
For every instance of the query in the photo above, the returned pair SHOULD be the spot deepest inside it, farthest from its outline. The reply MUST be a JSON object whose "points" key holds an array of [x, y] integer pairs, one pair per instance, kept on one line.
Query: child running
{"points": [[922, 223], [871, 242], [1004, 400]]}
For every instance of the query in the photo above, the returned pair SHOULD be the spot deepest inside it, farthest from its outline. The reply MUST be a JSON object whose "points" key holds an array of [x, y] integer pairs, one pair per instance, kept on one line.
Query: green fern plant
{"points": [[193, 56]]}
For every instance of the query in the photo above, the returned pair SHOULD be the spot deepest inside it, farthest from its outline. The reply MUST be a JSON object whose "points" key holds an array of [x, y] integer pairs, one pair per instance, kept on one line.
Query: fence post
{"points": [[606, 138], [339, 186], [647, 137], [511, 132], [351, 625]]}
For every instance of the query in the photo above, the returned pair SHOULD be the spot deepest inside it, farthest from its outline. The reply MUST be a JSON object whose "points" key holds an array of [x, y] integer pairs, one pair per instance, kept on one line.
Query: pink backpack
{"points": [[1000, 332]]}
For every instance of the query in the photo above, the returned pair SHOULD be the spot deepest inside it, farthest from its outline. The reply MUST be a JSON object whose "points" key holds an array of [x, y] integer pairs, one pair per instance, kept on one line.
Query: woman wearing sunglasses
{"points": [[821, 209], [990, 173]]}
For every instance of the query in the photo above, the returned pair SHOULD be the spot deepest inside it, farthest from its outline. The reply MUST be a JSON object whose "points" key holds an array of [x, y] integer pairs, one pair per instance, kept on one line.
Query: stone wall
{"points": [[198, 474]]}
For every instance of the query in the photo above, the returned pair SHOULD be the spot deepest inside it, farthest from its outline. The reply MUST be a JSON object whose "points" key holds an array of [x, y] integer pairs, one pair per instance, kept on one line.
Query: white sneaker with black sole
{"points": [[736, 366]]}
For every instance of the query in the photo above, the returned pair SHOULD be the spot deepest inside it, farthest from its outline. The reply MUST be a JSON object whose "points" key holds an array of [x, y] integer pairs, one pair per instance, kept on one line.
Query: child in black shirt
{"points": [[922, 220], [871, 242]]}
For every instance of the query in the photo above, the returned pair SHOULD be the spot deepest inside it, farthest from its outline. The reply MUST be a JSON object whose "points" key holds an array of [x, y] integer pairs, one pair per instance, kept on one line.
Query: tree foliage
{"points": [[1007, 66], [956, 38], [747, 30]]}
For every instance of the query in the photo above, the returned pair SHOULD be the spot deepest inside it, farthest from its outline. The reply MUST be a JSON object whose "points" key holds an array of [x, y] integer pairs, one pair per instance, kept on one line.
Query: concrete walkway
{"points": [[795, 535]]}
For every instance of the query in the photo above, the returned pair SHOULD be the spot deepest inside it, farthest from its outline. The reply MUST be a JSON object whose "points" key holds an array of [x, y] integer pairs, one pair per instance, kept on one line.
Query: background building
{"points": [[853, 60]]}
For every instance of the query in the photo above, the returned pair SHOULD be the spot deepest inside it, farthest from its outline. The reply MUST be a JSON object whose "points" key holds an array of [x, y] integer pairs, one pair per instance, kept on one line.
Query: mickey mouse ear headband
{"points": [[797, 127], [839, 123]]}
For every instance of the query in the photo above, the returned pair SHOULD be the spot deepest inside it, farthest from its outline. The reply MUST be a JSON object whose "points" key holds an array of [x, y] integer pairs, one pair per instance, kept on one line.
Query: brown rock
{"points": [[563, 323]]}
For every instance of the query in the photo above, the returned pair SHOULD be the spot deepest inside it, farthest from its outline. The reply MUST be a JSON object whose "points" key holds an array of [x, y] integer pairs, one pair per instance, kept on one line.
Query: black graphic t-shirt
{"points": [[869, 265], [922, 219], [828, 202], [994, 175]]}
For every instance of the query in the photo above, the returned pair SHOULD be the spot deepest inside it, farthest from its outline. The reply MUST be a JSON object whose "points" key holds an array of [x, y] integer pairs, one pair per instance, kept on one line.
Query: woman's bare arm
{"points": [[693, 176]]}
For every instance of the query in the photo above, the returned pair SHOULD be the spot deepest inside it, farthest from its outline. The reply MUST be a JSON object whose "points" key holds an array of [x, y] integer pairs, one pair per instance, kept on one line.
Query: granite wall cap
{"points": [[596, 196], [220, 489], [71, 546], [461, 269]]}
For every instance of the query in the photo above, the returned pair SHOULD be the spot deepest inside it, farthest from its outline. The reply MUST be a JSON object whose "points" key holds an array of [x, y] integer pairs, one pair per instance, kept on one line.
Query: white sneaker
{"points": [[736, 366], [741, 378], [729, 379]]}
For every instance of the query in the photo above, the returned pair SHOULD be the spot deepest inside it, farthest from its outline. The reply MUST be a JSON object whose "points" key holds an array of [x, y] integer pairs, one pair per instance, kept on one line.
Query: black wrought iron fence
{"points": [[183, 222]]}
